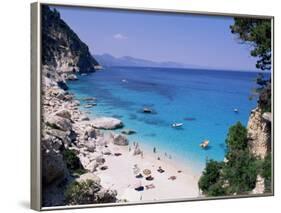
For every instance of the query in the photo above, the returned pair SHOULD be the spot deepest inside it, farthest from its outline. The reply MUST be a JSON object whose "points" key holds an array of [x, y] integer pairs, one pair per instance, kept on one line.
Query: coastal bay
{"points": [[203, 100]]}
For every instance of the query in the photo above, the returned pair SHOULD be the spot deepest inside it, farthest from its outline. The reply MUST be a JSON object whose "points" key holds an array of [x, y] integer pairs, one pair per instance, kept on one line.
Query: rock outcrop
{"points": [[61, 47], [259, 140], [259, 133], [65, 129]]}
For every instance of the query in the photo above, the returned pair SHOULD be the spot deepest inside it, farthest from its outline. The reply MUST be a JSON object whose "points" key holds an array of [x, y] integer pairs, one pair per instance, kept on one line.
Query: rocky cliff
{"points": [[61, 47], [259, 140], [68, 138], [259, 132]]}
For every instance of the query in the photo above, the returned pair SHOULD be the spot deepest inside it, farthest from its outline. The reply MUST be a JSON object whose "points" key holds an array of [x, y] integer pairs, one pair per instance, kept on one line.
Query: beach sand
{"points": [[120, 176]]}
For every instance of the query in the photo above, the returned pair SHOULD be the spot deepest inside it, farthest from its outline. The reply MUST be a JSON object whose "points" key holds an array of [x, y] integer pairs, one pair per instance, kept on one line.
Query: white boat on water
{"points": [[204, 144], [177, 124]]}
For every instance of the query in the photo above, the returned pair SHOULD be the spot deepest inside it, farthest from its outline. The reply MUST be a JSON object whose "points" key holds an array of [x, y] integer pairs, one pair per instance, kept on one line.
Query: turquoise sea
{"points": [[203, 100]]}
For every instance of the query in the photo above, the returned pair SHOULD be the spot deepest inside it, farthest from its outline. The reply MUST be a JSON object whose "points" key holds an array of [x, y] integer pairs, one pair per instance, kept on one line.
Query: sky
{"points": [[185, 38]]}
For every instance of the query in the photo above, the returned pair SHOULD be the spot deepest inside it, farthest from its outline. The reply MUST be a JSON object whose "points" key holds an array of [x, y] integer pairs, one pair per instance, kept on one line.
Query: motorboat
{"points": [[204, 144], [177, 124]]}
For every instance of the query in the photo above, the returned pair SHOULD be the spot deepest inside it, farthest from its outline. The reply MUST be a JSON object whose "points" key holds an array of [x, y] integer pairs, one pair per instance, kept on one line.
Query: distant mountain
{"points": [[108, 60]]}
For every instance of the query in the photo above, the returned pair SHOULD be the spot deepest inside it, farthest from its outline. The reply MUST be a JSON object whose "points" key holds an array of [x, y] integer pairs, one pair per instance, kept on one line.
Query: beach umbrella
{"points": [[146, 172]]}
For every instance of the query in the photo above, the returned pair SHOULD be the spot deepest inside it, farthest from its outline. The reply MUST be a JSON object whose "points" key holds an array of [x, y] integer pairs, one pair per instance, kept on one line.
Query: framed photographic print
{"points": [[134, 106]]}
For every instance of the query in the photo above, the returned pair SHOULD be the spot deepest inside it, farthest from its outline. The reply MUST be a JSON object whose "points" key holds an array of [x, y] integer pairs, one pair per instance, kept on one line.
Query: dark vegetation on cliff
{"points": [[237, 174], [60, 44]]}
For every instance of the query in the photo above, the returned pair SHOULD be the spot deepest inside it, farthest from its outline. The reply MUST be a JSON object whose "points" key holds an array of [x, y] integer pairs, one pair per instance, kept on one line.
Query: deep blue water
{"points": [[204, 100]]}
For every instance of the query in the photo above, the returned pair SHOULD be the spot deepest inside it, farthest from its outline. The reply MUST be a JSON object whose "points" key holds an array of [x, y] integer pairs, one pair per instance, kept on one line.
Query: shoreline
{"points": [[185, 184], [147, 146]]}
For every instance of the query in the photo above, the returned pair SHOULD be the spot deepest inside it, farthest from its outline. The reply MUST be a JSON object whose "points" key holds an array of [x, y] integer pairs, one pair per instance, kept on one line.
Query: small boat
{"points": [[124, 81], [147, 110], [177, 124], [204, 144], [236, 110]]}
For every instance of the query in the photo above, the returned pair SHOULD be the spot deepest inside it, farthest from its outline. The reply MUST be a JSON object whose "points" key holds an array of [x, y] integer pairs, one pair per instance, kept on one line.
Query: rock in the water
{"points": [[107, 123], [120, 140], [128, 132], [89, 99]]}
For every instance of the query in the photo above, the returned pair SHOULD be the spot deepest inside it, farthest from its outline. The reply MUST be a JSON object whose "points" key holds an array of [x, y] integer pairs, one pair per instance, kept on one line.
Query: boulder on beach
{"points": [[92, 166], [120, 140], [90, 145], [90, 105], [90, 132], [58, 122], [89, 176], [107, 123]]}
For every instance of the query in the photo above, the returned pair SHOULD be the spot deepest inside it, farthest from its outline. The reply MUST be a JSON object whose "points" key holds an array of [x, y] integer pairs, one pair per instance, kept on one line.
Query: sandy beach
{"points": [[121, 176]]}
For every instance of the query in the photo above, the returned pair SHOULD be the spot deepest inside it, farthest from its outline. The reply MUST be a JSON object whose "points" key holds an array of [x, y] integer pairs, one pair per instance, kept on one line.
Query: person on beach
{"points": [[154, 149]]}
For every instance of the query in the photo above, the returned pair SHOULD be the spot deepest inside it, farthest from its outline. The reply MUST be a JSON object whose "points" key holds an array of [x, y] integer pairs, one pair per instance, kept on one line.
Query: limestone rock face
{"points": [[259, 134], [62, 48], [107, 123]]}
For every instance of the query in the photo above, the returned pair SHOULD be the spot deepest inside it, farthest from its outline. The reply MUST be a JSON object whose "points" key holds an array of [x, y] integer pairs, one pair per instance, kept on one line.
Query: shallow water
{"points": [[204, 100]]}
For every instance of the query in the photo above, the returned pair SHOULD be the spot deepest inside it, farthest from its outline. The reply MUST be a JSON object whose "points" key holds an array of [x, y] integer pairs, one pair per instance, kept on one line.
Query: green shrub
{"points": [[238, 174], [241, 172], [266, 172], [72, 161], [81, 192], [210, 176], [236, 138], [216, 190]]}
